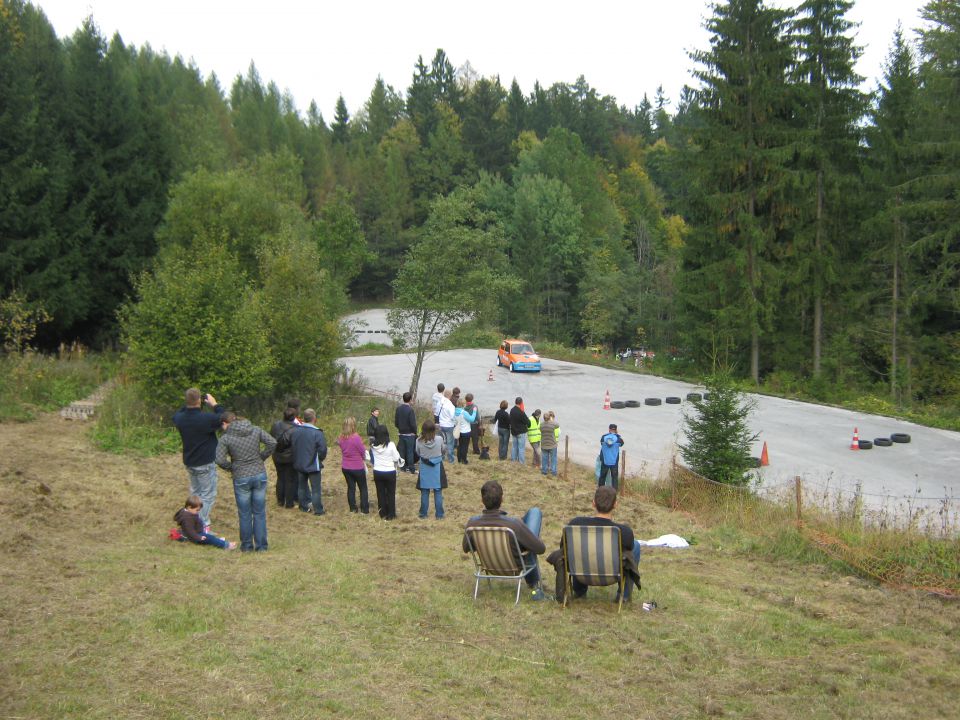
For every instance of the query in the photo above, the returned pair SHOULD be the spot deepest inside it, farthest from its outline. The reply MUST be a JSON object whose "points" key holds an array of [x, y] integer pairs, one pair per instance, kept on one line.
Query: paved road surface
{"points": [[803, 439]]}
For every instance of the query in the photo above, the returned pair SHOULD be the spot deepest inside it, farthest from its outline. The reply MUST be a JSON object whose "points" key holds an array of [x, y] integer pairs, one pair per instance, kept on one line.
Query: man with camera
{"points": [[198, 432]]}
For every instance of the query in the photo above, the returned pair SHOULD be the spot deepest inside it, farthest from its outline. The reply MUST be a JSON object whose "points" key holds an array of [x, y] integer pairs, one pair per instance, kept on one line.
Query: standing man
{"points": [[448, 419], [610, 445], [309, 452], [475, 428], [437, 400], [406, 421], [519, 424], [198, 432], [241, 443]]}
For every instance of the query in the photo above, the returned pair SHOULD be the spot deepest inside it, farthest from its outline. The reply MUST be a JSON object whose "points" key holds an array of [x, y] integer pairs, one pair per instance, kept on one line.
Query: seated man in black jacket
{"points": [[526, 530], [604, 502]]}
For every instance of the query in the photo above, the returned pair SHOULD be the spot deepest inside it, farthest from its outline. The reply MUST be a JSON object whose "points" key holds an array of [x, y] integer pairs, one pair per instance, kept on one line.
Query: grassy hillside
{"points": [[348, 616]]}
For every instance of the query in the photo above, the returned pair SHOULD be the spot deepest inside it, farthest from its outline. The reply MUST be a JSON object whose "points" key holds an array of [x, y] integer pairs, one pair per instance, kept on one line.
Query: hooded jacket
{"points": [[191, 524], [610, 448], [309, 448], [241, 443]]}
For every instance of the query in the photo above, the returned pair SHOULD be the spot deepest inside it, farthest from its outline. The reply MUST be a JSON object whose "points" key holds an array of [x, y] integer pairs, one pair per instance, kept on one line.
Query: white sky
{"points": [[624, 48]]}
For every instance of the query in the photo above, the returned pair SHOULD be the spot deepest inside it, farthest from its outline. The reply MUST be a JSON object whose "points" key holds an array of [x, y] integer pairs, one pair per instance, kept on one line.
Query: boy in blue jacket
{"points": [[610, 445]]}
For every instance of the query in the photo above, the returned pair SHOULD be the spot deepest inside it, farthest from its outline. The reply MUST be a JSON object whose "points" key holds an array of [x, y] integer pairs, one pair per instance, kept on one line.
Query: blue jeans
{"points": [[308, 491], [203, 484], [450, 445], [437, 503], [533, 519], [251, 494], [518, 451], [503, 434], [548, 461], [213, 541], [406, 446], [579, 589]]}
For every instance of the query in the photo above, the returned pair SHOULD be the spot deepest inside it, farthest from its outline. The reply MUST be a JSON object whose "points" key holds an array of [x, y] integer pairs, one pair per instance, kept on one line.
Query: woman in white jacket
{"points": [[386, 458]]}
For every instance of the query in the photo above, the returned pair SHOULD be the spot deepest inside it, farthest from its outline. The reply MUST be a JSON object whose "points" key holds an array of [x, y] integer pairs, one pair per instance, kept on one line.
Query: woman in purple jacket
{"points": [[353, 465]]}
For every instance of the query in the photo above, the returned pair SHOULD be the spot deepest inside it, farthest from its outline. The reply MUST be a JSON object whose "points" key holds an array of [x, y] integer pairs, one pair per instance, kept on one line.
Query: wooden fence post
{"points": [[623, 471], [799, 488], [566, 456]]}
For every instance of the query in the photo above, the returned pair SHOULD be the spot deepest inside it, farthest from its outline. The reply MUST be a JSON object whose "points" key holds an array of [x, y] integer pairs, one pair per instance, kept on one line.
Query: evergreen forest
{"points": [[784, 218]]}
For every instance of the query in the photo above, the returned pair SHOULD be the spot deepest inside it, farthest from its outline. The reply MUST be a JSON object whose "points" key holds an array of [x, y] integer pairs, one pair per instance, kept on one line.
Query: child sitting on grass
{"points": [[191, 525]]}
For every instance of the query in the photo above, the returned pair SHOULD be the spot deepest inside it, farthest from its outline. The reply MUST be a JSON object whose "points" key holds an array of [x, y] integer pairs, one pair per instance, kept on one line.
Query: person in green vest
{"points": [[533, 435]]}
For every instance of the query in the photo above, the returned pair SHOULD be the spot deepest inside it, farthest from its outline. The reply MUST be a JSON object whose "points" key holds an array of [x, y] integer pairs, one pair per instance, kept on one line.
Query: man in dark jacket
{"points": [[604, 502], [241, 453], [198, 432], [519, 424], [526, 530], [309, 452], [406, 421]]}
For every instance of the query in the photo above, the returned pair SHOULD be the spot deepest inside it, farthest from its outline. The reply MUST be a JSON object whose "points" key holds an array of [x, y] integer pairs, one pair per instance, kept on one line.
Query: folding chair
{"points": [[592, 555], [496, 556]]}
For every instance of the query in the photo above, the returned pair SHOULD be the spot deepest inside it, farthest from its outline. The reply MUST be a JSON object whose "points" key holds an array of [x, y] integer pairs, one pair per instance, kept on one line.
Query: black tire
{"points": [[617, 405], [652, 401], [865, 444], [694, 396], [882, 442], [755, 462], [900, 438], [673, 401], [706, 396], [499, 364], [511, 368], [632, 403]]}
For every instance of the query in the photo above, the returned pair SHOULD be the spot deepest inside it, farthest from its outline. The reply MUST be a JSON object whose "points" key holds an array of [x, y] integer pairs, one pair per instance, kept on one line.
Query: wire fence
{"points": [[904, 543]]}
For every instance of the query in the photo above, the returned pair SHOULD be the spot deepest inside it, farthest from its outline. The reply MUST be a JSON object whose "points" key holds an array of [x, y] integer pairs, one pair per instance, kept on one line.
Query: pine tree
{"points": [[341, 122], [730, 271], [829, 108]]}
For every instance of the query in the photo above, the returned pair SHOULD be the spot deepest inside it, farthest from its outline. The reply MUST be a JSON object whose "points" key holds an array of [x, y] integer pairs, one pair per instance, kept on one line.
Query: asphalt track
{"points": [[811, 441]]}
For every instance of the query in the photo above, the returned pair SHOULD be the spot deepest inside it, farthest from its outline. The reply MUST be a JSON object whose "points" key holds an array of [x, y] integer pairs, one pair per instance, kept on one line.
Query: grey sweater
{"points": [[241, 443]]}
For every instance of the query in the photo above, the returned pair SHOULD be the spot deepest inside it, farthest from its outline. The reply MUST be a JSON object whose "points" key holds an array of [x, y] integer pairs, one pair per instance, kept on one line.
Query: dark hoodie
{"points": [[191, 524], [241, 442]]}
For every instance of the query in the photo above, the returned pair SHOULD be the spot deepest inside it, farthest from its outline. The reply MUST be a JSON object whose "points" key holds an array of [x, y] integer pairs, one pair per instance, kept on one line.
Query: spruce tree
{"points": [[742, 145]]}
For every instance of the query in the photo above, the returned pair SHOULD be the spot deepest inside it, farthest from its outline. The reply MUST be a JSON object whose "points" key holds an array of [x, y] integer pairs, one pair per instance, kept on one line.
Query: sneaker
{"points": [[321, 512], [537, 595]]}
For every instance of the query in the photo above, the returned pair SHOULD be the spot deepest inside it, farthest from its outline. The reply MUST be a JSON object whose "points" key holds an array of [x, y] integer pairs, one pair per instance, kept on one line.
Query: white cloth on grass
{"points": [[670, 541]]}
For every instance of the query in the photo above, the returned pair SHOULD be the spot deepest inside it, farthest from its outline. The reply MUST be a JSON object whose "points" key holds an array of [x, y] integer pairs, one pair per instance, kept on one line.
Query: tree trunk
{"points": [[895, 306], [818, 280]]}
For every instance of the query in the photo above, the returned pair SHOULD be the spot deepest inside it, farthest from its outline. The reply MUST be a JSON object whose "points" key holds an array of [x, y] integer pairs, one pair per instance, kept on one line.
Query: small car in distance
{"points": [[519, 356]]}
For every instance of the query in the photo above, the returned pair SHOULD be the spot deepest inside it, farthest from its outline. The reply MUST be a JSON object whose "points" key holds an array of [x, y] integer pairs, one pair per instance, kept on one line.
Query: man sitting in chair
{"points": [[526, 530], [604, 502]]}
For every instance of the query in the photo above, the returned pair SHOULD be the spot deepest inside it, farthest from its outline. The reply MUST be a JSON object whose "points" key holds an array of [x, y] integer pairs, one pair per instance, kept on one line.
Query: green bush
{"points": [[196, 323]]}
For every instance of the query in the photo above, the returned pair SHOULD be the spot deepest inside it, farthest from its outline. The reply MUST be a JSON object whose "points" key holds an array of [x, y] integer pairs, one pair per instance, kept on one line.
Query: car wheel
{"points": [[882, 442], [499, 364], [511, 368], [673, 401], [652, 401], [900, 438], [865, 444]]}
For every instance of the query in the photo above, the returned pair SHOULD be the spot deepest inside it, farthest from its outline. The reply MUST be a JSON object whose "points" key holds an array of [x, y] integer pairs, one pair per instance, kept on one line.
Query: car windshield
{"points": [[520, 348]]}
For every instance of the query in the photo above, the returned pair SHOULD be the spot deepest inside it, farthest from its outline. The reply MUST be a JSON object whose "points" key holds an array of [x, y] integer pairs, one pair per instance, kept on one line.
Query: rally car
{"points": [[518, 355]]}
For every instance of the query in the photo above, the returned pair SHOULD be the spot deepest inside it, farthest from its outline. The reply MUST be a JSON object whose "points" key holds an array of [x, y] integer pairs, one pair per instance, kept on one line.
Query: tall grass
{"points": [[31, 383]]}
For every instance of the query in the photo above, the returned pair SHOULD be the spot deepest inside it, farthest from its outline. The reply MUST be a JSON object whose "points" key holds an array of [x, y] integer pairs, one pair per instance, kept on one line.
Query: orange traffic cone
{"points": [[855, 443], [606, 401], [490, 376], [764, 457]]}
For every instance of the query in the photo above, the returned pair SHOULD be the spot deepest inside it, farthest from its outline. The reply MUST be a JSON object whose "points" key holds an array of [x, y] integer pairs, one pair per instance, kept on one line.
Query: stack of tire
{"points": [[899, 438]]}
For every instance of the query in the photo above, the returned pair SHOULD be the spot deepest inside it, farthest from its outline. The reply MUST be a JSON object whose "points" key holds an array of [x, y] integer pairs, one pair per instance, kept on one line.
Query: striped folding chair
{"points": [[496, 556], [592, 555]]}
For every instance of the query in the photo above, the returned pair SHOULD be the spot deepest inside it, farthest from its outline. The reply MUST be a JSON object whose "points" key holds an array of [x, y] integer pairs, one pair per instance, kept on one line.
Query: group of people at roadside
{"points": [[299, 447]]}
